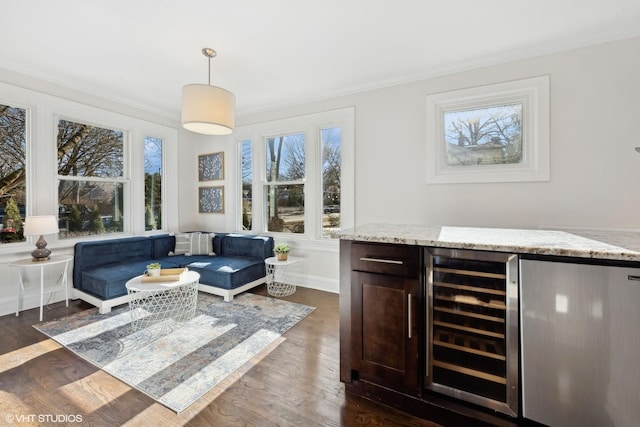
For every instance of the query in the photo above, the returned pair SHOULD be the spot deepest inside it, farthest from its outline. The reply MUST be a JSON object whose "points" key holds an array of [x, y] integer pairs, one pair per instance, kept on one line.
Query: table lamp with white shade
{"points": [[39, 226]]}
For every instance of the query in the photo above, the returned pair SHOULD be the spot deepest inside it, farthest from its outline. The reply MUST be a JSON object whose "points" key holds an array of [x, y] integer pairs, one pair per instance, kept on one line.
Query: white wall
{"points": [[594, 107], [194, 145]]}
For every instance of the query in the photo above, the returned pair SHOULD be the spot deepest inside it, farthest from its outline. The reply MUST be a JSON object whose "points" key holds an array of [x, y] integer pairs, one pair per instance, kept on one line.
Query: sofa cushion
{"points": [[162, 244], [91, 254], [180, 260], [228, 272], [108, 281], [217, 243], [246, 245]]}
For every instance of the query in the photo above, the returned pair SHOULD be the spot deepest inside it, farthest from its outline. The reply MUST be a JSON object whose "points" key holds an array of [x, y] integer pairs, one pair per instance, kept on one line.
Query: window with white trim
{"points": [[303, 187], [13, 168], [246, 184], [152, 183], [285, 166], [91, 179], [331, 163], [492, 133], [91, 166]]}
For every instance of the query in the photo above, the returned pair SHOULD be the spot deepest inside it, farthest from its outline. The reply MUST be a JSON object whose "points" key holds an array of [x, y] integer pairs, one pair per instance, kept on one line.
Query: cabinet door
{"points": [[385, 333]]}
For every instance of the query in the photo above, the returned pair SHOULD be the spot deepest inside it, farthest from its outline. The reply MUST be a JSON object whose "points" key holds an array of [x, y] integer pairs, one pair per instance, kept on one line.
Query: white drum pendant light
{"points": [[208, 109]]}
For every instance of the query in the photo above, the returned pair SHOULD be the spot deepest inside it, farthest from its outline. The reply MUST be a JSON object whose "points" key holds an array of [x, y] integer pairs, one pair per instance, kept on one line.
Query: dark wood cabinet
{"points": [[385, 311], [384, 332]]}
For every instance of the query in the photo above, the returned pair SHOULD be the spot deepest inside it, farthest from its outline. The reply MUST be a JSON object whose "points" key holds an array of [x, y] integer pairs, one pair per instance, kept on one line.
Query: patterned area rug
{"points": [[176, 363]]}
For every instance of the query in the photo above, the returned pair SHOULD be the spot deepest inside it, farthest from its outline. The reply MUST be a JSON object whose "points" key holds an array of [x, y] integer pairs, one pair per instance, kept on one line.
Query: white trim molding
{"points": [[530, 96]]}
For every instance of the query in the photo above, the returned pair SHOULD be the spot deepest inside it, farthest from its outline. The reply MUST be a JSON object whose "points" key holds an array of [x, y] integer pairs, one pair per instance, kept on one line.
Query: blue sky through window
{"points": [[152, 155]]}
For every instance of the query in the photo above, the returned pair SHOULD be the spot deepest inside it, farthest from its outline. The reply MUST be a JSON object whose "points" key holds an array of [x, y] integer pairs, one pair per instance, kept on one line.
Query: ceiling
{"points": [[281, 52]]}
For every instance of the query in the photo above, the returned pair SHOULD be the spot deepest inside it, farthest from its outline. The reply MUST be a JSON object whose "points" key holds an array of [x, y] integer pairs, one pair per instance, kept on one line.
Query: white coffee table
{"points": [[151, 302], [280, 276]]}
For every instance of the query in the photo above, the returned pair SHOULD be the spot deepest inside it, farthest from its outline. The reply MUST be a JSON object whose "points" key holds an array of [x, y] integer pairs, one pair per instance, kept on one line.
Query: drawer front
{"points": [[397, 260]]}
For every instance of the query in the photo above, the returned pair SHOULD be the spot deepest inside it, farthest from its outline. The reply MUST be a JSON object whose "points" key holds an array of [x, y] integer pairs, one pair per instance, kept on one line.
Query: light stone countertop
{"points": [[596, 244]]}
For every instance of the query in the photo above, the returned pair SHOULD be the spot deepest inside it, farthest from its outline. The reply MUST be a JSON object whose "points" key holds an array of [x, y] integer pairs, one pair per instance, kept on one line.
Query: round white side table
{"points": [[30, 263], [280, 275], [152, 302]]}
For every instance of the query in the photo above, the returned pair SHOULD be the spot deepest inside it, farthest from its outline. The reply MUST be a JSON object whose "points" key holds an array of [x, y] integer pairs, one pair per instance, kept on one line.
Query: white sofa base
{"points": [[105, 306], [228, 294]]}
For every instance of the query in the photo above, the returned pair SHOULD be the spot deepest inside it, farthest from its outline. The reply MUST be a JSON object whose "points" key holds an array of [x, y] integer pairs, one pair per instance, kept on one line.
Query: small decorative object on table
{"points": [[39, 226], [282, 251], [153, 269], [159, 275]]}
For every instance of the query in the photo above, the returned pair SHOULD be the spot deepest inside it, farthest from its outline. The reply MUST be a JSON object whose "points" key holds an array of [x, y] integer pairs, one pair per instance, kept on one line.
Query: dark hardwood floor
{"points": [[295, 384]]}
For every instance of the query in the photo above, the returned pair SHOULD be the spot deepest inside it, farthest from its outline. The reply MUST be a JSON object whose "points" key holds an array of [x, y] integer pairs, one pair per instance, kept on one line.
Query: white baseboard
{"points": [[317, 282], [8, 304]]}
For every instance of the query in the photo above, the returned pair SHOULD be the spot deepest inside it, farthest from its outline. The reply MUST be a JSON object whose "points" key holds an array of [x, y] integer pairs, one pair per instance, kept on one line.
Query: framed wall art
{"points": [[211, 199], [493, 133], [211, 167]]}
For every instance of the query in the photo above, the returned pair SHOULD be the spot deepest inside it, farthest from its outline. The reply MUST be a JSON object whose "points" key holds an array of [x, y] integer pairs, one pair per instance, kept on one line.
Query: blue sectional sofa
{"points": [[234, 264]]}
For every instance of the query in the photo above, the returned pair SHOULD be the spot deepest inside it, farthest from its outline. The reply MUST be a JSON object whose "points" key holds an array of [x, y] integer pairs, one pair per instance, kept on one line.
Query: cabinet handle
{"points": [[637, 278], [409, 314], [427, 311], [382, 260]]}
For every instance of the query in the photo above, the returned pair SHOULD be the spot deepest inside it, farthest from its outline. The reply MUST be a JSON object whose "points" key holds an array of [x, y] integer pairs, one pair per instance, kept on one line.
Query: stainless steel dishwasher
{"points": [[580, 344]]}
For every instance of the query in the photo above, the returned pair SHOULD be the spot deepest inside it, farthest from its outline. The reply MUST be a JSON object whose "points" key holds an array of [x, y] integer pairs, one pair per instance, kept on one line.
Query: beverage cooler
{"points": [[472, 327]]}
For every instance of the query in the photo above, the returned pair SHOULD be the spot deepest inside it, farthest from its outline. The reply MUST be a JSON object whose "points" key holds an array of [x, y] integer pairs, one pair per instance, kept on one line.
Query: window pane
{"points": [[246, 155], [91, 151], [285, 208], [152, 183], [87, 207], [489, 135], [13, 149], [331, 140], [285, 158]]}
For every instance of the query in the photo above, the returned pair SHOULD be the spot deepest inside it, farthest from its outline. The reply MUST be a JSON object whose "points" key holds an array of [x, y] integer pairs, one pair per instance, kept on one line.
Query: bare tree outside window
{"points": [[152, 183], [302, 188], [284, 190], [491, 133], [331, 140], [91, 179], [246, 165], [13, 149], [484, 136]]}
